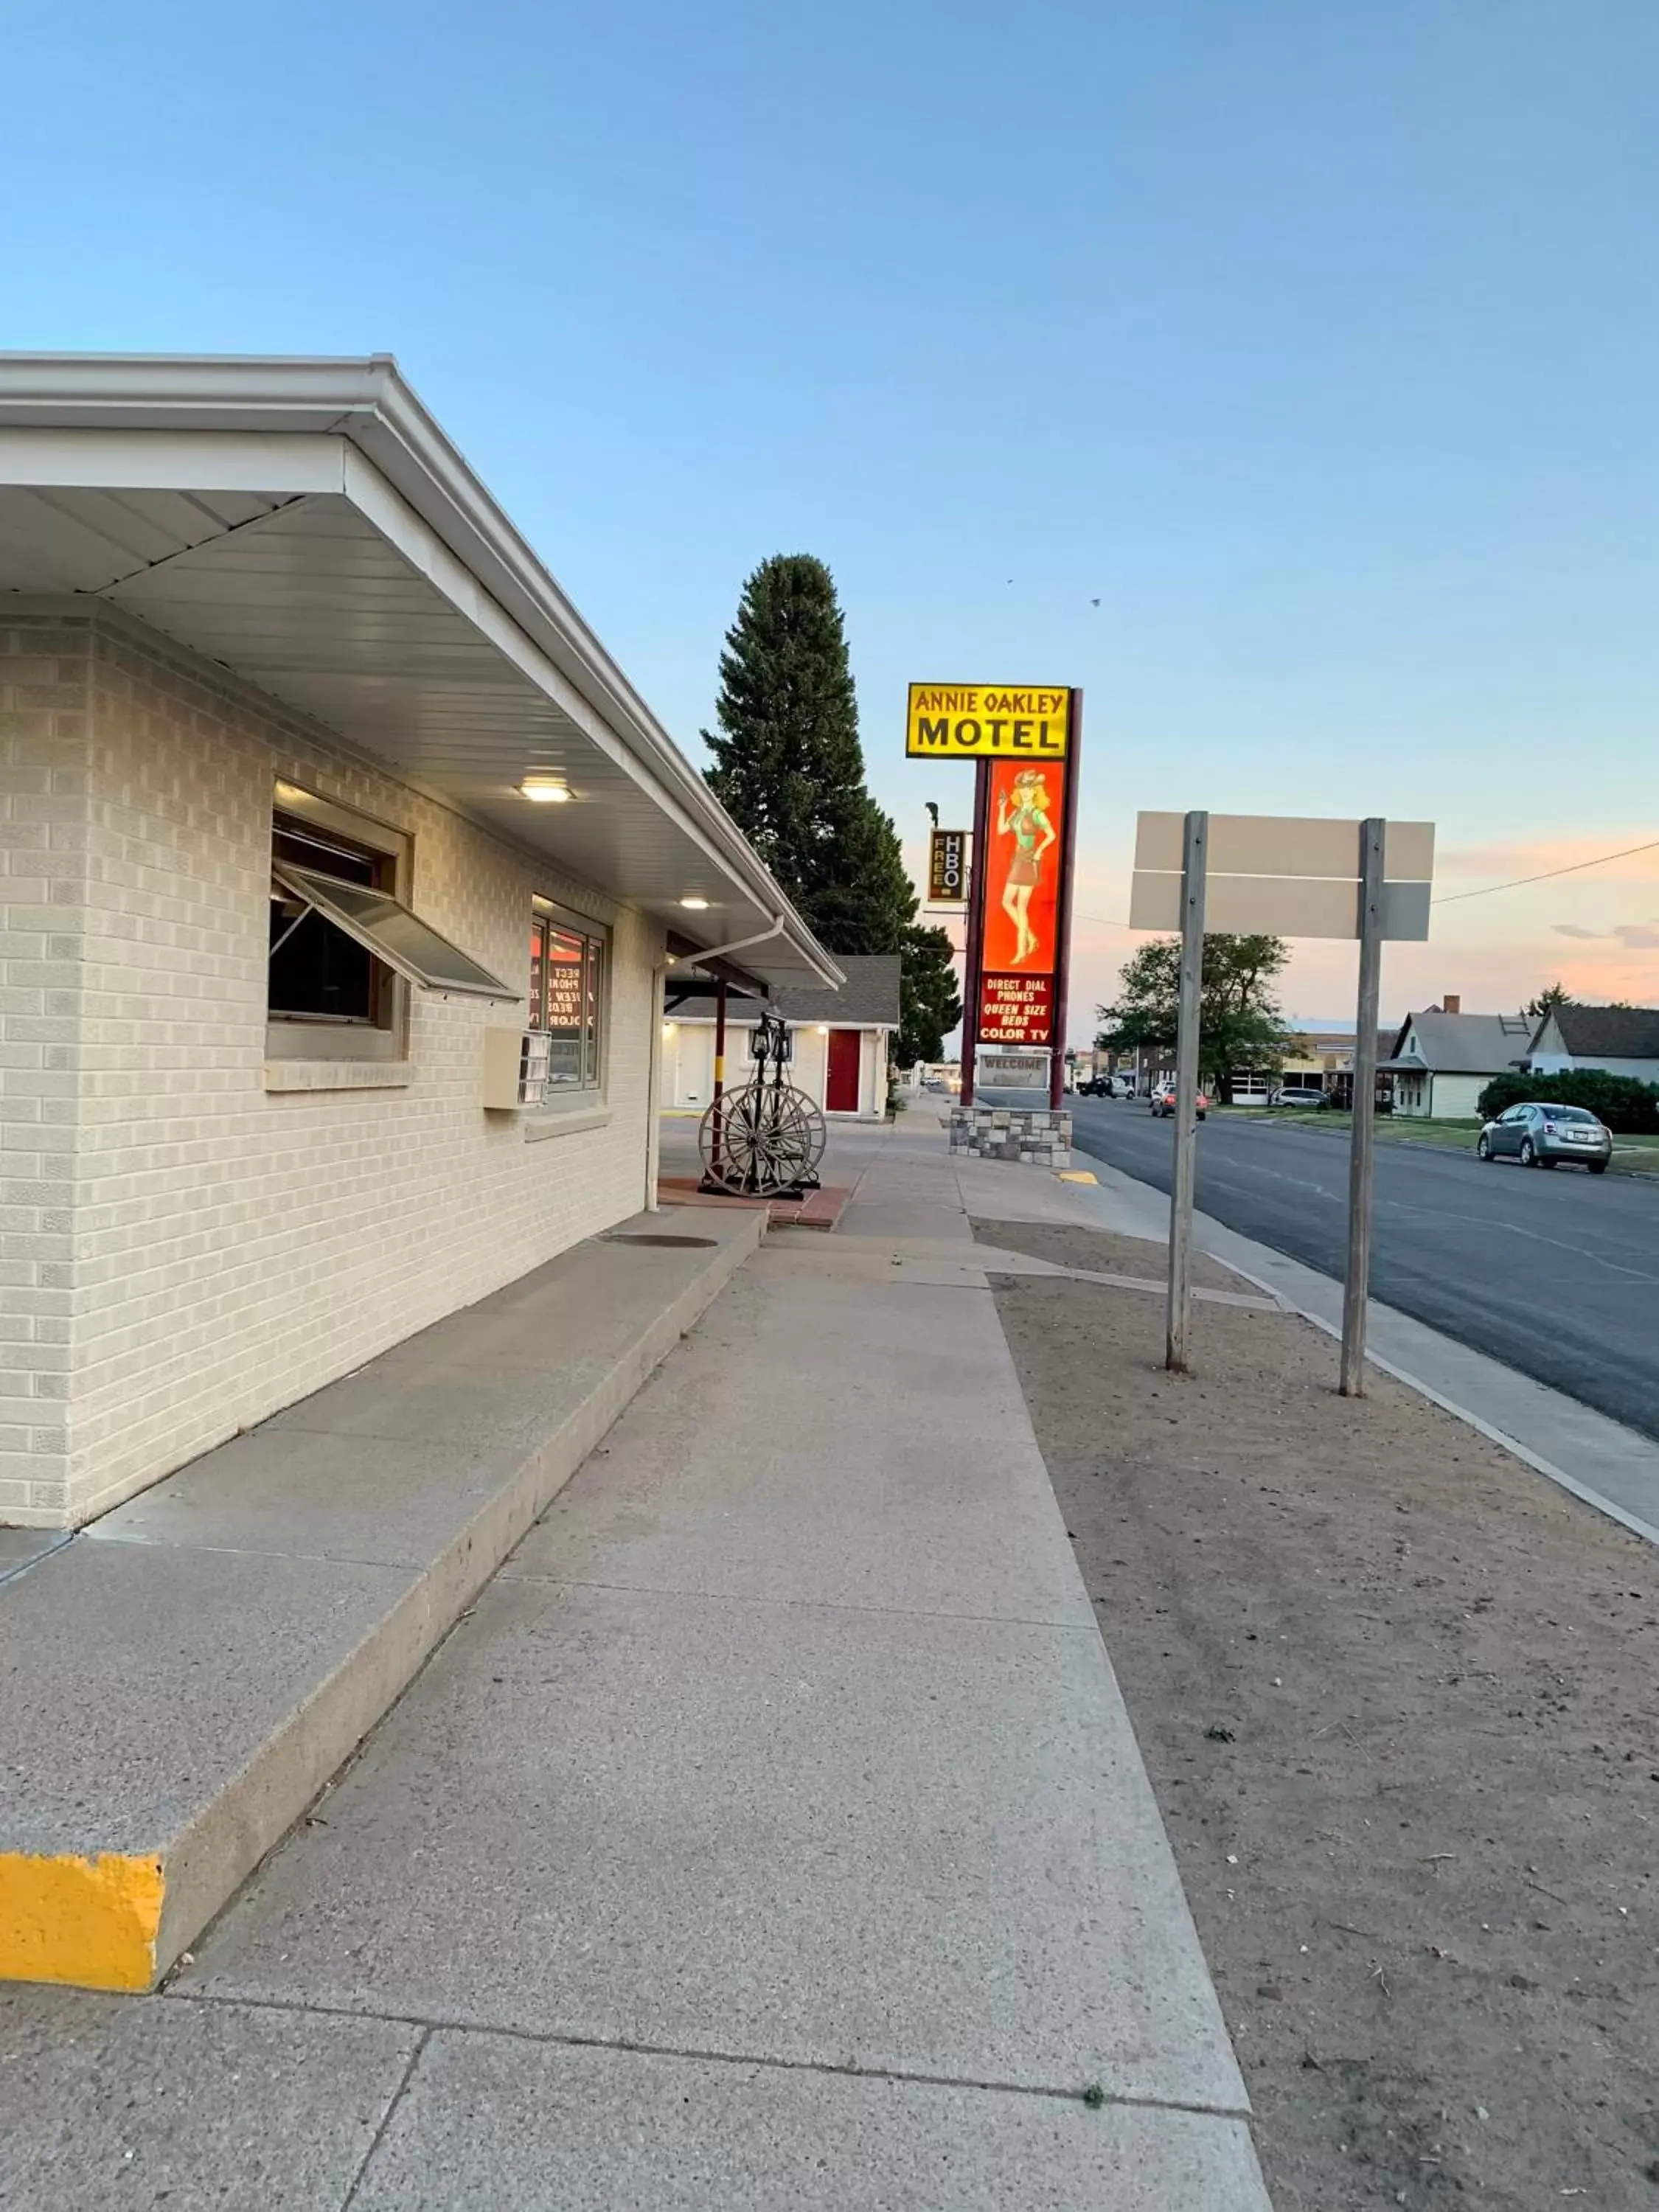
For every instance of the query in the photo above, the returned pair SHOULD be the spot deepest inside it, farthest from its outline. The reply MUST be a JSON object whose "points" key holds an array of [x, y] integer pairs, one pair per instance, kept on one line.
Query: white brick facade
{"points": [[185, 1250]]}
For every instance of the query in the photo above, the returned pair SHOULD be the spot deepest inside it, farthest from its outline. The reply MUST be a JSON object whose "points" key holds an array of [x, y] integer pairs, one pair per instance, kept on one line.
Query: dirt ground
{"points": [[1397, 1696]]}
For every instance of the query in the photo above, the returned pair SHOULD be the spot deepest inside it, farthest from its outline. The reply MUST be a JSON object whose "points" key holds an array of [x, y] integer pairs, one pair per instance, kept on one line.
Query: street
{"points": [[1557, 1275]]}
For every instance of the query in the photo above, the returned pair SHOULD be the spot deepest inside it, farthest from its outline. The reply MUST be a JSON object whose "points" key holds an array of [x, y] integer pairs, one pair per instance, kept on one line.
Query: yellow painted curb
{"points": [[91, 1923], [1076, 1175]]}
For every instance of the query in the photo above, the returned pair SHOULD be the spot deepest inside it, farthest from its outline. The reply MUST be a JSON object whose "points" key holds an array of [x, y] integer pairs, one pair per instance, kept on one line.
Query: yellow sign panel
{"points": [[988, 721]]}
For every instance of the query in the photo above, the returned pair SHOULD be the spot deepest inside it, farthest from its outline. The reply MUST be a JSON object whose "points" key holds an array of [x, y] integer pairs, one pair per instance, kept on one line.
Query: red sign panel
{"points": [[1015, 1009], [1024, 860]]}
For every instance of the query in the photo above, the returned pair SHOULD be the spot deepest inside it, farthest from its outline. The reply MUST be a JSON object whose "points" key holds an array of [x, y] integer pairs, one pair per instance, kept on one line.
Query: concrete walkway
{"points": [[770, 1833]]}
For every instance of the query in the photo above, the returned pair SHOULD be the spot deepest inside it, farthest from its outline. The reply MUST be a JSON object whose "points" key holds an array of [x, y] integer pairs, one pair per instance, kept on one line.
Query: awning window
{"points": [[385, 926]]}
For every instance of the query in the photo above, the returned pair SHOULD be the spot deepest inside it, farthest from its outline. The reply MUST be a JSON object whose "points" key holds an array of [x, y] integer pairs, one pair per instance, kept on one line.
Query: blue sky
{"points": [[1319, 342]]}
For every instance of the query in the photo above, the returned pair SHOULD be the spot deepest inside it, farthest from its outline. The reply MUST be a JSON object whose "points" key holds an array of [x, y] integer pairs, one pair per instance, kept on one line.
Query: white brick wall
{"points": [[190, 1251], [45, 750]]}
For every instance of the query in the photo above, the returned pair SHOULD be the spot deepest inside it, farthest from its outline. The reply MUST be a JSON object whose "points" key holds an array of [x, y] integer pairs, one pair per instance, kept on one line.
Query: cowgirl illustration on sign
{"points": [[1022, 815]]}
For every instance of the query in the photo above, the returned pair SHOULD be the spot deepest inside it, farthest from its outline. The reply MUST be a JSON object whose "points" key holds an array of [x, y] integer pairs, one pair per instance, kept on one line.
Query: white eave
{"points": [[307, 525]]}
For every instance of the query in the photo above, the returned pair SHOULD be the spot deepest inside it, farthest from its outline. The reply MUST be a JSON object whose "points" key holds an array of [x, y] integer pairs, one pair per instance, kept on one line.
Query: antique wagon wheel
{"points": [[771, 1138]]}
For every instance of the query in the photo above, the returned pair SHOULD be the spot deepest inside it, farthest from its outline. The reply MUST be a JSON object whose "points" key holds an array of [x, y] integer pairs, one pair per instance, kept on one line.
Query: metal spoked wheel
{"points": [[771, 1138]]}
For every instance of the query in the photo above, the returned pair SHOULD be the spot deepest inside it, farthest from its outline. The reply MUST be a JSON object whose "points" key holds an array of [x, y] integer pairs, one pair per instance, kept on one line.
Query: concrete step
{"points": [[226, 1640]]}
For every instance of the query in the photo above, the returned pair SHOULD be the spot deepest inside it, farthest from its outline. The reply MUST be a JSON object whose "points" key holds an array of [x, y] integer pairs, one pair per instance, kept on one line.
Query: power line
{"points": [[1576, 868]]}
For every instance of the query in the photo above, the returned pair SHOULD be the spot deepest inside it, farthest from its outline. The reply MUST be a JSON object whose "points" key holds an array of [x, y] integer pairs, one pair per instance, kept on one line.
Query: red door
{"points": [[841, 1086]]}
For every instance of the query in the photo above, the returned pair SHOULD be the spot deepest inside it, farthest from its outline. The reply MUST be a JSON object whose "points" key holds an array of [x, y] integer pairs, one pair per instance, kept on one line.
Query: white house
{"points": [[339, 866], [1443, 1059], [1614, 1040], [840, 1039]]}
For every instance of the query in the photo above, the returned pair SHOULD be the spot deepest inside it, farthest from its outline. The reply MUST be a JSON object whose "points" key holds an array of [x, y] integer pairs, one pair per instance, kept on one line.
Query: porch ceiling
{"points": [[340, 572]]}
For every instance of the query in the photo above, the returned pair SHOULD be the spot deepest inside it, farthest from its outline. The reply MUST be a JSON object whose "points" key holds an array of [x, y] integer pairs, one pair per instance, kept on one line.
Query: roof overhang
{"points": [[308, 526]]}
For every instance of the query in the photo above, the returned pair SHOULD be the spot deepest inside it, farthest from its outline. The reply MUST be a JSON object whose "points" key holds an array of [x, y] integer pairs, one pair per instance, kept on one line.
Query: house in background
{"points": [[1443, 1059], [1613, 1040], [840, 1040]]}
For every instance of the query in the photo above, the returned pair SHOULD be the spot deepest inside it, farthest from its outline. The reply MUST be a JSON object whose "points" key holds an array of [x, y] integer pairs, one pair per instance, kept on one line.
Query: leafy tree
{"points": [[1630, 1107], [1551, 996], [1240, 1024], [789, 769], [931, 1006]]}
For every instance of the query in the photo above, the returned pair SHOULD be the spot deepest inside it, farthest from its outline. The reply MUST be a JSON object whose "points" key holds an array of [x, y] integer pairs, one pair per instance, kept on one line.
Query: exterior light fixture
{"points": [[545, 790], [695, 904]]}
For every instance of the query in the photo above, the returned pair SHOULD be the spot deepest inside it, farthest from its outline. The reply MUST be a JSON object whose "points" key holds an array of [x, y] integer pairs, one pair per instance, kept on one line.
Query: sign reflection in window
{"points": [[565, 987]]}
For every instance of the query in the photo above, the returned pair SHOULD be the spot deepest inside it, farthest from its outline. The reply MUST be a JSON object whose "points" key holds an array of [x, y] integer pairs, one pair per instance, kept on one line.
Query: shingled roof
{"points": [[1606, 1032], [1461, 1045], [868, 999]]}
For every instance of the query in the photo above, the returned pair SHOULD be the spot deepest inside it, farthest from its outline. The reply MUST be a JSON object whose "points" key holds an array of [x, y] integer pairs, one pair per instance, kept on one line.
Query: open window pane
{"points": [[385, 928], [318, 974]]}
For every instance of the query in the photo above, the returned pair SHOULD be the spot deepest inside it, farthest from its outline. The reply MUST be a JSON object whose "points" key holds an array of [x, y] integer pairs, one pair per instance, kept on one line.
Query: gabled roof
{"points": [[1607, 1032], [868, 999], [1460, 1044]]}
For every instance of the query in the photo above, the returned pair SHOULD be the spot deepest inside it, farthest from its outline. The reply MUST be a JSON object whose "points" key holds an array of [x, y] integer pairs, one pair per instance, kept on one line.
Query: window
{"points": [[343, 946], [317, 973], [566, 966]]}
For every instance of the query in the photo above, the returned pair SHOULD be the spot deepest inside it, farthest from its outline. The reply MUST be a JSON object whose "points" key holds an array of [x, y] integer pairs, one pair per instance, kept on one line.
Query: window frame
{"points": [[301, 1036], [548, 918]]}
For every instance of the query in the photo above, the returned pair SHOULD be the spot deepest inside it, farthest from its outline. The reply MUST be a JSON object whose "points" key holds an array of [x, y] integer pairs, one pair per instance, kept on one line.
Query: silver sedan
{"points": [[1539, 1135]]}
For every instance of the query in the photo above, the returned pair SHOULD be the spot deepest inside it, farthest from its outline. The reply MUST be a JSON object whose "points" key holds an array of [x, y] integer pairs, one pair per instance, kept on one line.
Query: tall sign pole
{"points": [[1194, 866], [1063, 914], [978, 872], [1357, 1286]]}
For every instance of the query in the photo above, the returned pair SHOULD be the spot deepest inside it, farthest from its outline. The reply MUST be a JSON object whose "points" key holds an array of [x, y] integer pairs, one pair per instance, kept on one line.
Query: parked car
{"points": [[1163, 1101], [1297, 1094], [1540, 1135], [1106, 1086]]}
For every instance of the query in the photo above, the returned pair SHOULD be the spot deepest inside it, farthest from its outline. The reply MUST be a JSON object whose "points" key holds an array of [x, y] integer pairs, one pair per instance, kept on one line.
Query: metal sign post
{"points": [[1063, 916], [1291, 877], [976, 937], [1193, 871], [1357, 1284]]}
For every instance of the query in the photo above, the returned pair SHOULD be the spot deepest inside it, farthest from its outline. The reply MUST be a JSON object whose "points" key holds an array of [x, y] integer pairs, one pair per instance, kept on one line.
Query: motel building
{"points": [[839, 1041], [343, 871]]}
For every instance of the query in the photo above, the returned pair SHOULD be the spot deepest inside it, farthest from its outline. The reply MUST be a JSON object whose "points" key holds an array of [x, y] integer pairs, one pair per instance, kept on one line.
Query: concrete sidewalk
{"points": [[771, 1833]]}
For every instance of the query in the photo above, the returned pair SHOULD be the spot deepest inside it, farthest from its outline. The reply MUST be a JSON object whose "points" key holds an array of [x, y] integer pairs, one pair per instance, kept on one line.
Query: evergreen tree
{"points": [[788, 764], [931, 1004], [789, 769]]}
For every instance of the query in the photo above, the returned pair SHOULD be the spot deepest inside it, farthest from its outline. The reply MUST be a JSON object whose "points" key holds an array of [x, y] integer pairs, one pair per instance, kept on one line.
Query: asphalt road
{"points": [[1555, 1274]]}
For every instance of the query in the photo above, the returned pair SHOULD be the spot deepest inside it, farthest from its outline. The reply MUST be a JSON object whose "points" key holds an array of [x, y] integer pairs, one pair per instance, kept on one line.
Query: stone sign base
{"points": [[1036, 1136]]}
